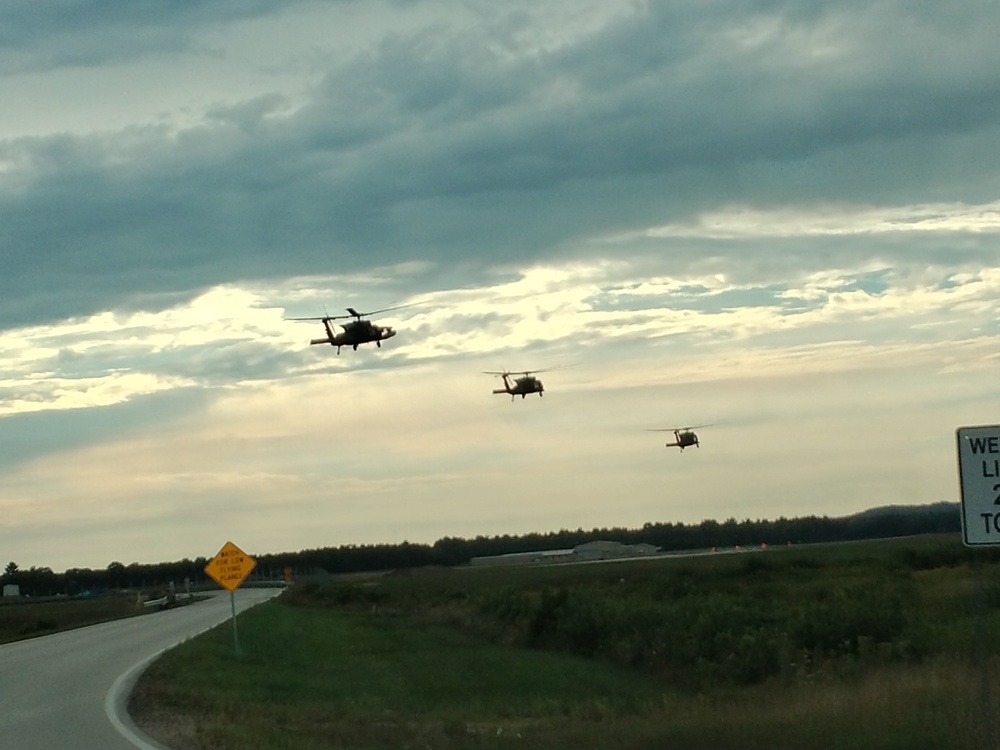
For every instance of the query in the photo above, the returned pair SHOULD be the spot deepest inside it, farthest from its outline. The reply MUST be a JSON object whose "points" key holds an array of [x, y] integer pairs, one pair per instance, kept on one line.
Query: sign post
{"points": [[228, 568], [979, 480], [979, 476]]}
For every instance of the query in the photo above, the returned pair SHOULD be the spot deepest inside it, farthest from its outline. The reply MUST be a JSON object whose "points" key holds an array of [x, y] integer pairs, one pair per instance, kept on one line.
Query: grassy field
{"points": [[875, 645], [29, 619]]}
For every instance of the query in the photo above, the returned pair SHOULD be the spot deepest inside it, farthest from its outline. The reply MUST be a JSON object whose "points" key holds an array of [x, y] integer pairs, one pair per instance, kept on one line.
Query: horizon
{"points": [[258, 554]]}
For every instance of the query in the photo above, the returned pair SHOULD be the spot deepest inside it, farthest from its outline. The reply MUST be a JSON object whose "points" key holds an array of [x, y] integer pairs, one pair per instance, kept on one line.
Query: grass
{"points": [[933, 705], [355, 681], [492, 658], [29, 619]]}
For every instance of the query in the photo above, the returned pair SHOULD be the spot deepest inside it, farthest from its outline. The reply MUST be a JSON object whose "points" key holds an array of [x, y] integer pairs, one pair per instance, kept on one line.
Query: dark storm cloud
{"points": [[453, 145], [43, 36]]}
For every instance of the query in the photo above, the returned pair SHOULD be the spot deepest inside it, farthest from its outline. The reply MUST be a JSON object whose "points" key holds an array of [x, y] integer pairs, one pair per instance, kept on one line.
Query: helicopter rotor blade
{"points": [[526, 372], [353, 313], [547, 369], [680, 429], [357, 314], [322, 317]]}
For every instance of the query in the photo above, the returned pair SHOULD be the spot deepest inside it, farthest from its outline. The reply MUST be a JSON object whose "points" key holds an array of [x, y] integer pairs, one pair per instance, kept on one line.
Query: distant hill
{"points": [[904, 520], [943, 508]]}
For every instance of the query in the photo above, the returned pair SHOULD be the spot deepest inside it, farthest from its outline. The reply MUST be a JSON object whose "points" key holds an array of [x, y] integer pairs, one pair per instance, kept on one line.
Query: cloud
{"points": [[232, 335], [74, 33], [764, 215], [402, 154], [372, 457], [749, 223]]}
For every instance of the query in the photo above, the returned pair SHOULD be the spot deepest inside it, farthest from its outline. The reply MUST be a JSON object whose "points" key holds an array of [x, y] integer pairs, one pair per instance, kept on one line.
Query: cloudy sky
{"points": [[778, 219]]}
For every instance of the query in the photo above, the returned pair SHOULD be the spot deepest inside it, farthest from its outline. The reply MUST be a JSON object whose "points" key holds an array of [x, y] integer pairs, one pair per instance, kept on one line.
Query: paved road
{"points": [[68, 691]]}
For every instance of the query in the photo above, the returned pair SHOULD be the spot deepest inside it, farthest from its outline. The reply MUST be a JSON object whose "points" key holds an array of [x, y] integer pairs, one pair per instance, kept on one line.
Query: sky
{"points": [[776, 219]]}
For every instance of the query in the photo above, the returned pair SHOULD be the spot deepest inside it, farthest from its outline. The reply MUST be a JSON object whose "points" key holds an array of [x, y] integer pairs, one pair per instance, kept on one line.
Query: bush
{"points": [[836, 625], [714, 633], [317, 594]]}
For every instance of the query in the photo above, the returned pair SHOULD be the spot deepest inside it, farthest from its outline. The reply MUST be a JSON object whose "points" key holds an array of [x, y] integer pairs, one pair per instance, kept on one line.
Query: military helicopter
{"points": [[358, 331], [521, 386], [684, 437]]}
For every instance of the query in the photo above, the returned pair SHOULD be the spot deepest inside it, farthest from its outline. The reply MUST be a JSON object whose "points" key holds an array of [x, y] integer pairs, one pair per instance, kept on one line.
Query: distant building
{"points": [[598, 550], [525, 558], [11, 589], [601, 550]]}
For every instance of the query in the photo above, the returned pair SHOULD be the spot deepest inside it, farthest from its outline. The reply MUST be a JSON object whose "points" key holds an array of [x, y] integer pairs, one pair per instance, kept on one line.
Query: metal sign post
{"points": [[236, 637], [979, 479]]}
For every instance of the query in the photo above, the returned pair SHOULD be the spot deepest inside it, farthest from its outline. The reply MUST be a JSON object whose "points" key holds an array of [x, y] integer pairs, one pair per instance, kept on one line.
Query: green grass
{"points": [[308, 677], [869, 645], [29, 619]]}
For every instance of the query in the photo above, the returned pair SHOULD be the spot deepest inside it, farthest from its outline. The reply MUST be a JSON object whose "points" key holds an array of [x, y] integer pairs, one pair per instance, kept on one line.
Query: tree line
{"points": [[892, 521]]}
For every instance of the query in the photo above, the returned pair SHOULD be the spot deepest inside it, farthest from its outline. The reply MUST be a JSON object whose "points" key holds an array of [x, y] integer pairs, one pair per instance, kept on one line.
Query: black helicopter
{"points": [[521, 386], [684, 437], [358, 331]]}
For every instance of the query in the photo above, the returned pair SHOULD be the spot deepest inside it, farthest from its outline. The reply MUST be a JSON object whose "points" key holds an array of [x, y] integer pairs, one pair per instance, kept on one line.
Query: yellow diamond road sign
{"points": [[230, 566]]}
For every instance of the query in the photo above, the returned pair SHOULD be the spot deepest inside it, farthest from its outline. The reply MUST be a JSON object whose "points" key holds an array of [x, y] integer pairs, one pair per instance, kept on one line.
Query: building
{"points": [[601, 550], [525, 558], [589, 551]]}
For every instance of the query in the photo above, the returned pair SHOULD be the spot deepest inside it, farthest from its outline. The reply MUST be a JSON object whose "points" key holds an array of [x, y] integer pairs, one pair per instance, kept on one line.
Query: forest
{"points": [[882, 522]]}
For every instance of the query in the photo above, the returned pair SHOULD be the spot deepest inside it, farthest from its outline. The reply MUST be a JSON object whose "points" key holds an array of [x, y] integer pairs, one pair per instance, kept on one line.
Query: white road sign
{"points": [[979, 475]]}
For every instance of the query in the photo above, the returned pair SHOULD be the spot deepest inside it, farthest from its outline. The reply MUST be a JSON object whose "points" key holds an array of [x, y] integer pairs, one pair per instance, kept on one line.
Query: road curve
{"points": [[69, 690]]}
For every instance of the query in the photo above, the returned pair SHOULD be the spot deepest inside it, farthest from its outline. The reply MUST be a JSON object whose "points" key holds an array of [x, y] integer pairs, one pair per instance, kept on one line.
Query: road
{"points": [[68, 691]]}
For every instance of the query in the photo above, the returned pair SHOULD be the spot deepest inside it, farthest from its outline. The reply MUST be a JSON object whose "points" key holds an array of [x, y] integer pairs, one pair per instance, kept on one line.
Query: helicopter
{"points": [[684, 437], [358, 331], [521, 386]]}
